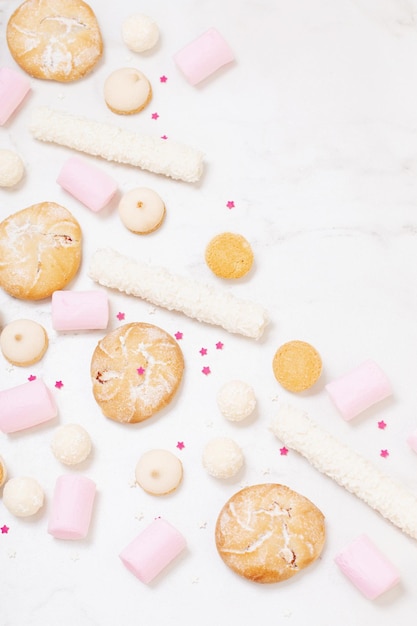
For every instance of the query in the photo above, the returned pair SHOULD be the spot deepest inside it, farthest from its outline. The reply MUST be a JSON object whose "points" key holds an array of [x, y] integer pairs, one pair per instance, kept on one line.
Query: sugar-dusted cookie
{"points": [[268, 533], [229, 255], [55, 40], [136, 371], [127, 91], [297, 365], [40, 251], [23, 342]]}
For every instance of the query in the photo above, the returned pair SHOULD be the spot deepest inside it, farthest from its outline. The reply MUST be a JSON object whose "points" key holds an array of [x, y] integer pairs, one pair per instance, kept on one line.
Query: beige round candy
{"points": [[23, 496], [140, 32], [23, 342], [141, 210], [71, 444], [127, 91], [222, 457], [3, 472], [158, 472], [236, 400], [11, 168]]}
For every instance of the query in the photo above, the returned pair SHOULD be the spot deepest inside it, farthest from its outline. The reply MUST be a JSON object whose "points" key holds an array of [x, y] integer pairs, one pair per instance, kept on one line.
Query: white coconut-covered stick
{"points": [[157, 285], [350, 470], [110, 142]]}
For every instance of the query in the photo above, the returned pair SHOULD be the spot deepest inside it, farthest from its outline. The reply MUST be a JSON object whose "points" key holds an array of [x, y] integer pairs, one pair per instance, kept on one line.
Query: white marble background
{"points": [[312, 132]]}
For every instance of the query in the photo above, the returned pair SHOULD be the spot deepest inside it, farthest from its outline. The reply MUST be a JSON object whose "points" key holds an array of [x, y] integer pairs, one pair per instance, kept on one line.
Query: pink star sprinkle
{"points": [[155, 116], [120, 316], [164, 137], [4, 529], [59, 384], [180, 445], [140, 371], [382, 425], [384, 453], [206, 370], [178, 335], [283, 451], [31, 377], [219, 345], [163, 79], [203, 351], [230, 204]]}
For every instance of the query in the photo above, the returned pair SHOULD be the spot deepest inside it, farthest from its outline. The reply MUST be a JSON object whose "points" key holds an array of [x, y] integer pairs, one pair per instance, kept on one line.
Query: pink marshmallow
{"points": [[79, 310], [87, 183], [203, 56], [152, 550], [25, 406], [367, 568], [13, 89], [72, 507], [359, 389]]}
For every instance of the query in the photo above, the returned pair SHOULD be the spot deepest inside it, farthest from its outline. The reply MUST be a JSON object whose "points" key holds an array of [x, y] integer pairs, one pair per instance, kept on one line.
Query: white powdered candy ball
{"points": [[222, 457], [11, 168], [23, 496], [140, 33], [71, 444], [236, 400]]}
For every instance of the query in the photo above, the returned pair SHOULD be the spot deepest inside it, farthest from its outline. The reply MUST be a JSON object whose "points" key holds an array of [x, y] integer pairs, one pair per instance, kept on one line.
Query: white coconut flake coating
{"points": [[140, 32], [110, 142], [23, 496], [157, 285], [236, 400], [350, 470], [71, 444], [222, 457], [11, 168]]}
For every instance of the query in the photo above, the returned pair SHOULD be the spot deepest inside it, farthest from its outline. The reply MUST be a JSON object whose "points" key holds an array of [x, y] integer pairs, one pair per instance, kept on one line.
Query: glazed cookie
{"points": [[297, 366], [140, 32], [40, 251], [229, 255], [268, 533], [141, 210], [127, 91], [56, 40], [158, 472], [23, 342], [136, 371]]}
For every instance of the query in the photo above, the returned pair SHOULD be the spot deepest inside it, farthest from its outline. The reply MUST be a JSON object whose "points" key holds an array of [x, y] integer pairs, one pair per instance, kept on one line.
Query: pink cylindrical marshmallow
{"points": [[79, 310], [25, 406], [359, 389], [72, 507], [87, 183], [203, 56], [152, 550], [13, 89], [367, 568]]}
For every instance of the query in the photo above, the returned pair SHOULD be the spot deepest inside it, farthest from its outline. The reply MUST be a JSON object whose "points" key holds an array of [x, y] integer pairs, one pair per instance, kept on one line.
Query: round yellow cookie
{"points": [[297, 366], [40, 251], [267, 533], [229, 255], [55, 40], [136, 371]]}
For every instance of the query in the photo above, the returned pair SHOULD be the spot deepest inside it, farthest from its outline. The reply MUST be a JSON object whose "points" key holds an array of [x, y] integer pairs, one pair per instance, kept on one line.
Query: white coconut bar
{"points": [[157, 285], [149, 153], [350, 470]]}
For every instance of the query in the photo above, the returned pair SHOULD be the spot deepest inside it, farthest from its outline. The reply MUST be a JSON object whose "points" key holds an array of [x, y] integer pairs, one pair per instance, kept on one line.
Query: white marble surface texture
{"points": [[312, 134]]}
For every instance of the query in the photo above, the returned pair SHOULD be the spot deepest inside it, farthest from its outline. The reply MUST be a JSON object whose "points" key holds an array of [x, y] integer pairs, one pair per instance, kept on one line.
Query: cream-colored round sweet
{"points": [[3, 472], [23, 496], [71, 444], [140, 32], [127, 91], [11, 168], [222, 457], [158, 472], [141, 210], [23, 342], [236, 400]]}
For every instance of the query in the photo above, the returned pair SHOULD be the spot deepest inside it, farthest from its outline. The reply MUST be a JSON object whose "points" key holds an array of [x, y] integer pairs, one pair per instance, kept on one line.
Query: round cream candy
{"points": [[11, 168], [158, 472], [236, 400], [222, 457], [71, 444], [23, 342], [140, 32], [127, 91], [3, 472], [23, 496], [141, 210]]}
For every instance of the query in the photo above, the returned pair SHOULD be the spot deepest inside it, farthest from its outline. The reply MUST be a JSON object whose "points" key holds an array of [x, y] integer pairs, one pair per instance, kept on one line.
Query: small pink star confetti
{"points": [[31, 377], [382, 425], [283, 451], [164, 137], [384, 453], [206, 370], [141, 371], [155, 116], [59, 384], [163, 79], [230, 204], [203, 351], [219, 345], [178, 335], [4, 529], [120, 316], [180, 445]]}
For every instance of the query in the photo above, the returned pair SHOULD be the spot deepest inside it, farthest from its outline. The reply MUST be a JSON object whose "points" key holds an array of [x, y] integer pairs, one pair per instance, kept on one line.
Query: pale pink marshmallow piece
{"points": [[13, 89], [412, 440], [359, 389], [25, 406], [72, 507], [203, 56], [87, 183], [79, 310], [152, 550], [367, 568]]}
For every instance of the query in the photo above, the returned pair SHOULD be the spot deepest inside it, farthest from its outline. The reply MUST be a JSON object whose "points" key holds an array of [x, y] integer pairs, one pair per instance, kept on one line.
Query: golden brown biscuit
{"points": [[40, 251], [229, 255], [55, 39], [268, 533], [136, 371], [297, 365]]}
